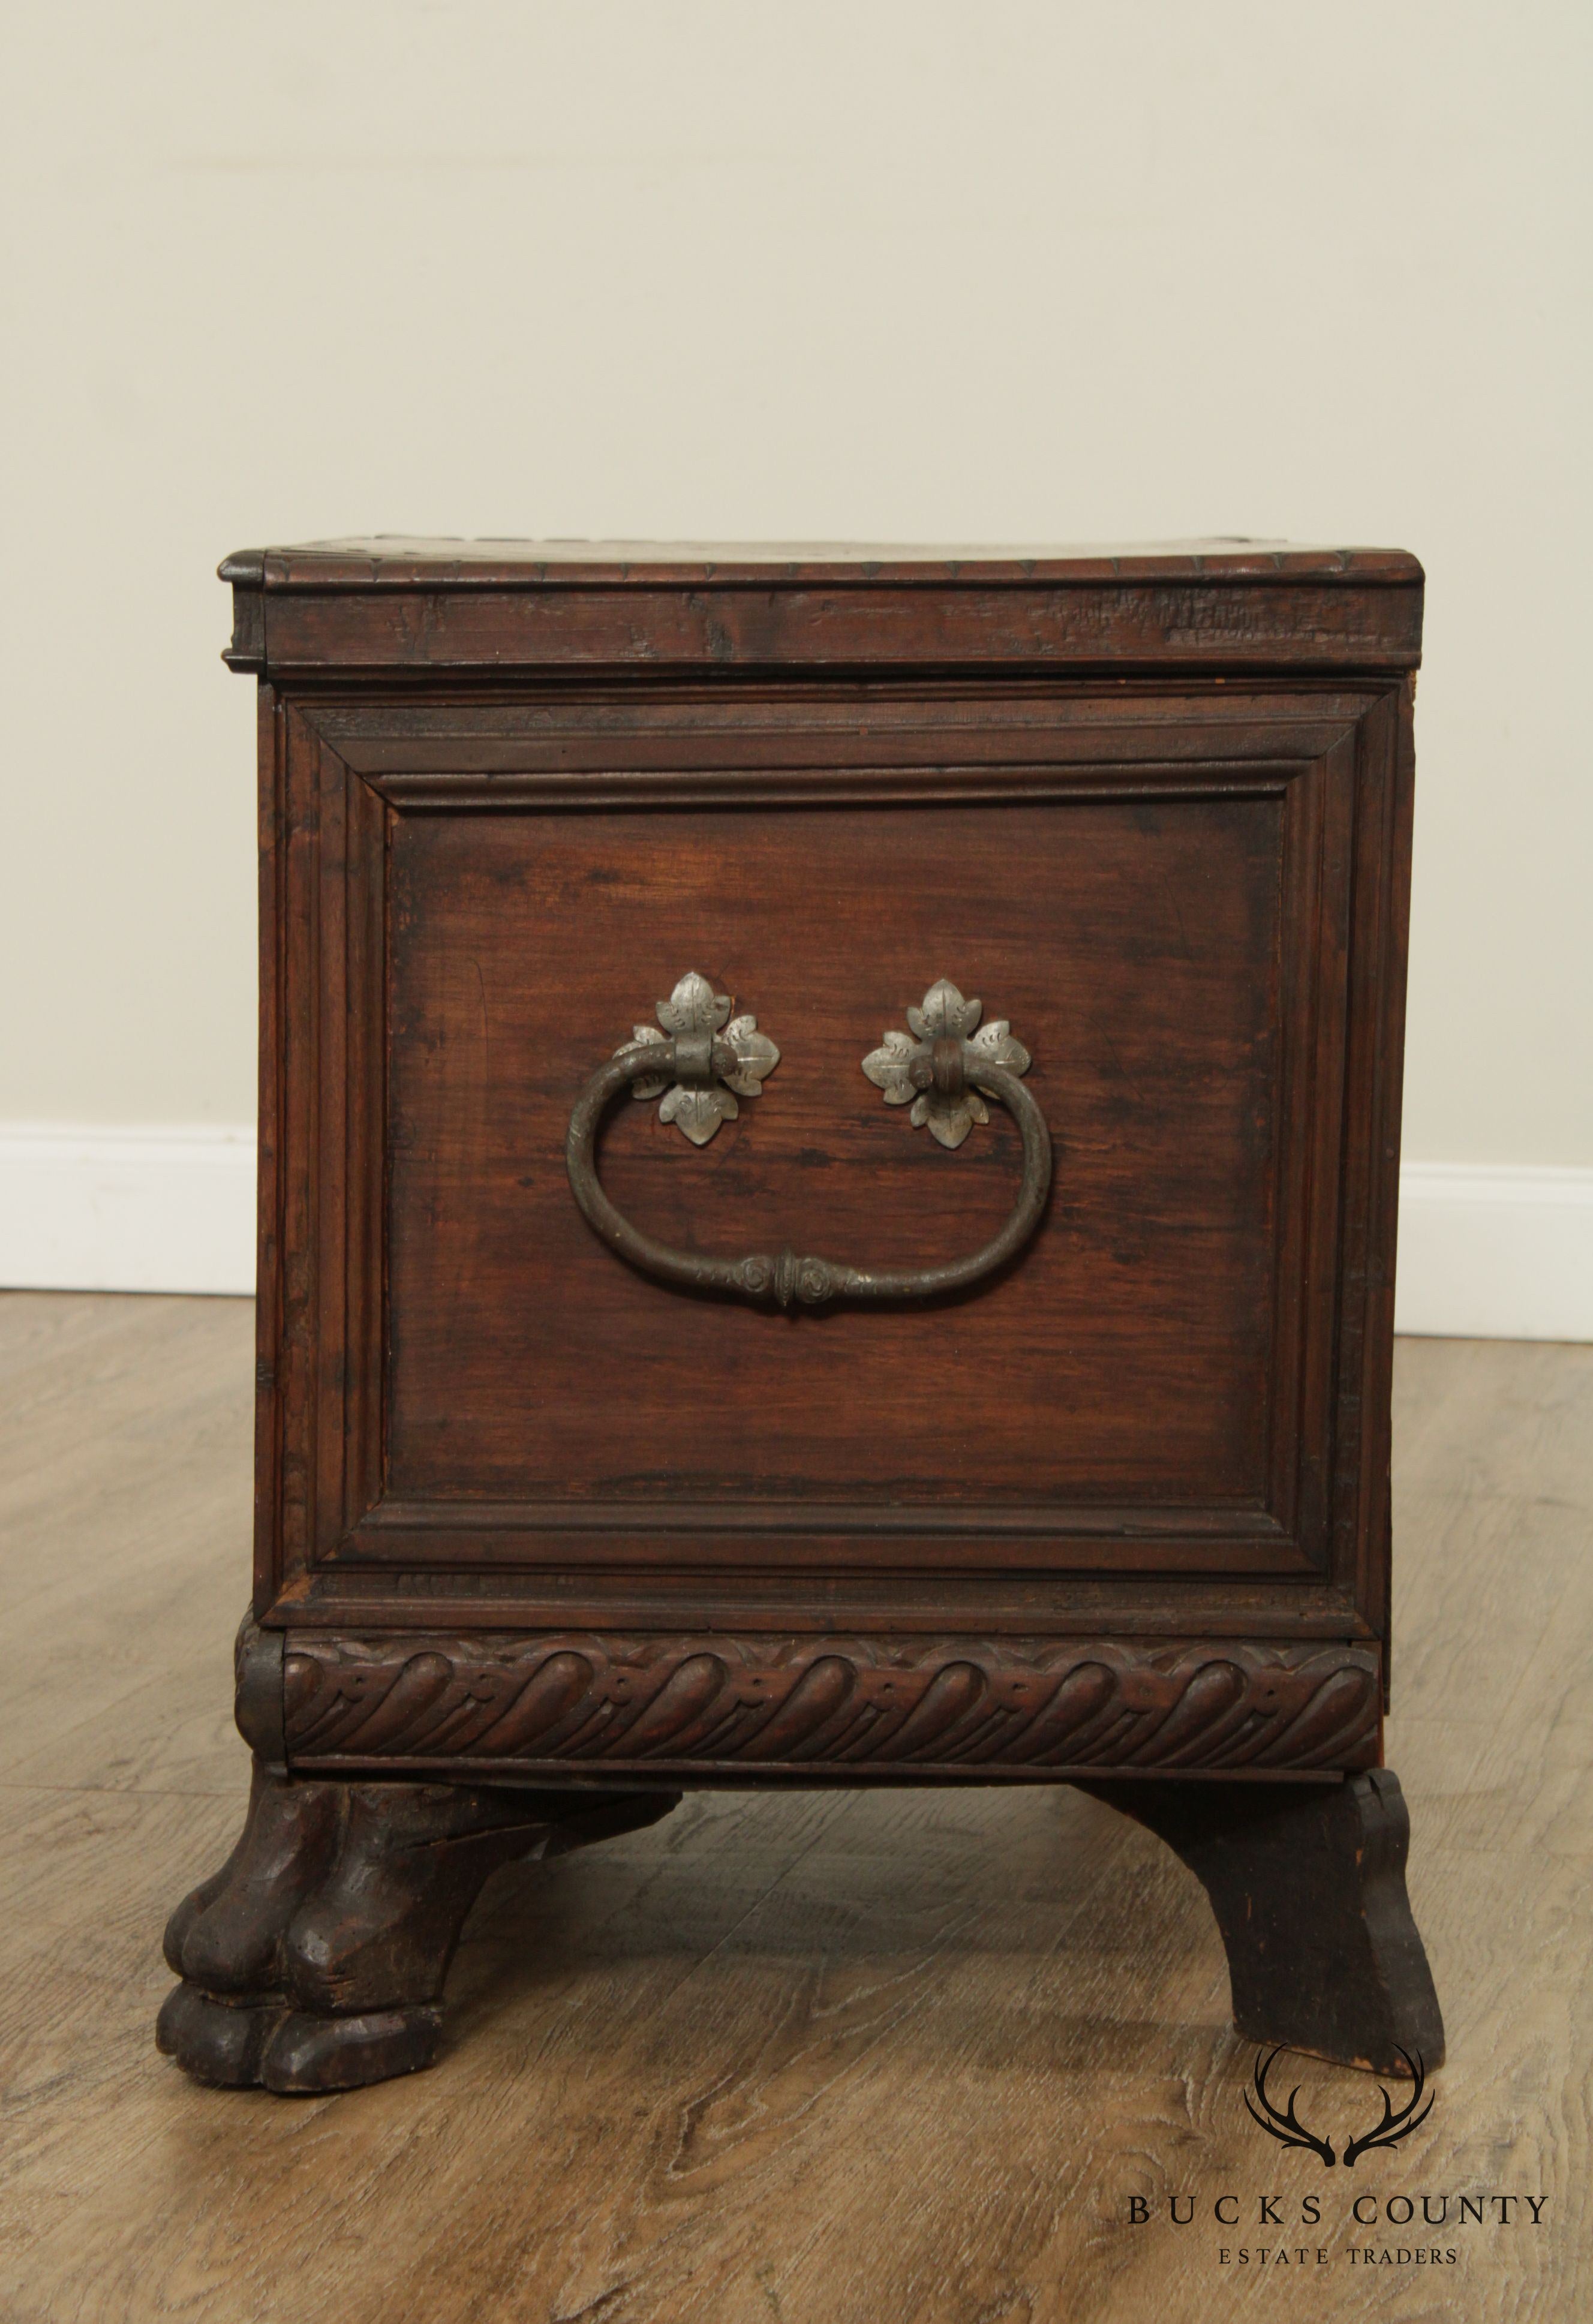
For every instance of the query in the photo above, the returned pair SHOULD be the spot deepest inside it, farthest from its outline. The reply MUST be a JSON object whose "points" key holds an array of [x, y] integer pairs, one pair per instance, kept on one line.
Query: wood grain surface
{"points": [[1125, 1357], [784, 2060], [1191, 906], [412, 604]]}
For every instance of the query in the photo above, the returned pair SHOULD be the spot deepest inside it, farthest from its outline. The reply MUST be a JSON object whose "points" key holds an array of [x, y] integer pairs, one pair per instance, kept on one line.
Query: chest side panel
{"points": [[1166, 892]]}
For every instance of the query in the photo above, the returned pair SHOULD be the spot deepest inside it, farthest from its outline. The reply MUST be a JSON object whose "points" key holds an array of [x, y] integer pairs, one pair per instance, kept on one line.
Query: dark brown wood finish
{"points": [[1151, 1389], [1309, 1891], [721, 1707], [314, 1960], [525, 1514], [401, 605]]}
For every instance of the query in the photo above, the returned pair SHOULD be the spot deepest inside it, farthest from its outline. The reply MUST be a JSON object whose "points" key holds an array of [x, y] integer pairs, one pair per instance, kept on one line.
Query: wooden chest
{"points": [[1002, 1397]]}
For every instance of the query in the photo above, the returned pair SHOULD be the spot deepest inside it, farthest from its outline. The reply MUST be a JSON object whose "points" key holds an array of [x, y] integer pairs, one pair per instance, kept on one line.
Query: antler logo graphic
{"points": [[1290, 2131], [1287, 2128], [1395, 2126]]}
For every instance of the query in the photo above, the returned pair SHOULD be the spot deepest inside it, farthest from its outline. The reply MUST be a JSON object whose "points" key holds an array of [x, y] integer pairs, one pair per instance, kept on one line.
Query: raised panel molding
{"points": [[356, 769]]}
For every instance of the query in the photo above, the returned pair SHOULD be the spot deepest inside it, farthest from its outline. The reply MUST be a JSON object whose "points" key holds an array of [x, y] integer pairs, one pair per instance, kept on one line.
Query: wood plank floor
{"points": [[810, 2060]]}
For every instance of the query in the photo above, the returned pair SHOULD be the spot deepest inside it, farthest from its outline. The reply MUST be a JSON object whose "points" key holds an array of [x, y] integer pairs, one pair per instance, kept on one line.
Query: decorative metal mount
{"points": [[701, 1097], [930, 1071], [703, 1059]]}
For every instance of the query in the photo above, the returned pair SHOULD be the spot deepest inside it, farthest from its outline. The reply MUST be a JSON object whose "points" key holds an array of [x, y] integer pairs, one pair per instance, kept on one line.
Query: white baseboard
{"points": [[1493, 1251], [90, 1209], [1485, 1251]]}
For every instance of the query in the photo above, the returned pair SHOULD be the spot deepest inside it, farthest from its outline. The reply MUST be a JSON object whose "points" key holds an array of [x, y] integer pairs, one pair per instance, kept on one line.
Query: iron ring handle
{"points": [[783, 1278]]}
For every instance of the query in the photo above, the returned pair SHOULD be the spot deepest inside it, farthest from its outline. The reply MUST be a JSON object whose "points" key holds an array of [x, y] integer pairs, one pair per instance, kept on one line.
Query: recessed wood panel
{"points": [[1138, 947]]}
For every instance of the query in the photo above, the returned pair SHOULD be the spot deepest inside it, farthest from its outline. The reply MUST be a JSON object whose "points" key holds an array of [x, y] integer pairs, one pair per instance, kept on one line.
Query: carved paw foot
{"points": [[1308, 1885], [295, 2052], [227, 1934], [315, 1959]]}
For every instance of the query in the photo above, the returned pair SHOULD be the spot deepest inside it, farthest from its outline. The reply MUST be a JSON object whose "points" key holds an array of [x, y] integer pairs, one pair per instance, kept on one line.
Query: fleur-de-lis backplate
{"points": [[906, 1066], [698, 1106]]}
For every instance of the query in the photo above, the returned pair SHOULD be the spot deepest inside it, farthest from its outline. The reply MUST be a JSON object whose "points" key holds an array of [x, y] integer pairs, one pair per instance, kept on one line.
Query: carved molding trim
{"points": [[712, 1701]]}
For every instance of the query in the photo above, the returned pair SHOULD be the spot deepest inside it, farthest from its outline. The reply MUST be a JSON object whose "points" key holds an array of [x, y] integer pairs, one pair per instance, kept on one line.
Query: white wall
{"points": [[904, 269]]}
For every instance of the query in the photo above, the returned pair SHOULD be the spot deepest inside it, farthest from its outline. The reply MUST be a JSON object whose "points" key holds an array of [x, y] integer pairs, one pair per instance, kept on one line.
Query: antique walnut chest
{"points": [[829, 1141]]}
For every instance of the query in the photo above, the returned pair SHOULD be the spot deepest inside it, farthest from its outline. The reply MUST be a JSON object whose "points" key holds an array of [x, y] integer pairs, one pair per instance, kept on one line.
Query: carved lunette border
{"points": [[714, 1703]]}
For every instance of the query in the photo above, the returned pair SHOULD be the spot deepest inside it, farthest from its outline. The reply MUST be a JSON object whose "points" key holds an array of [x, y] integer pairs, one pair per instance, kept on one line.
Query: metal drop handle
{"points": [[700, 1064]]}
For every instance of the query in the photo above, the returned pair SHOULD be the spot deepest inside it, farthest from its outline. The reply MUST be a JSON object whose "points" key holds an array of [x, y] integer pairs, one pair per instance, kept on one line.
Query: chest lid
{"points": [[395, 603]]}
